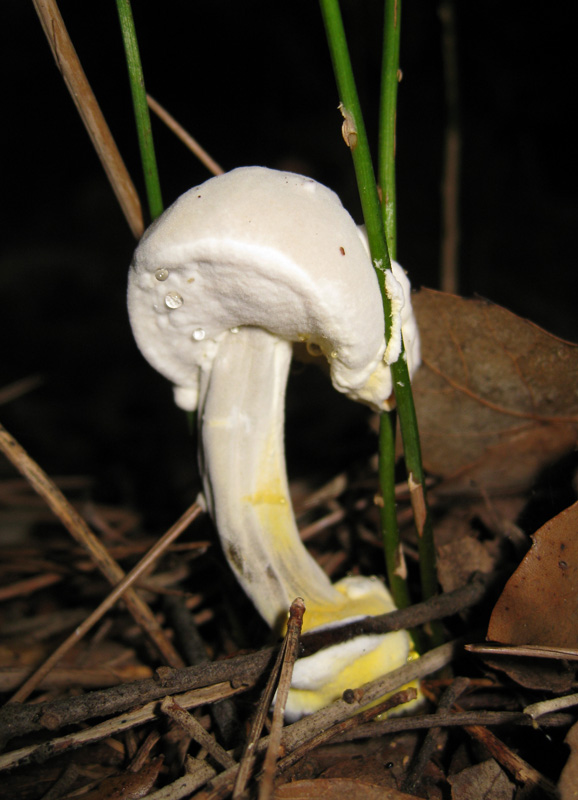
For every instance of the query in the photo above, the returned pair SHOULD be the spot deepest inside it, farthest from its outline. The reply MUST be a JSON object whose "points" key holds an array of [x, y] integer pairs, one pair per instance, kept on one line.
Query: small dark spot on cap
{"points": [[563, 564], [342, 250]]}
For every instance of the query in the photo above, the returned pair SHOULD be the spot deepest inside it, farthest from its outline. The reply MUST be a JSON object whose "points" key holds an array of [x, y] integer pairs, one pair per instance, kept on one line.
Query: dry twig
{"points": [[290, 643], [86, 103], [290, 649], [348, 725], [112, 727], [184, 136], [193, 727], [438, 607]]}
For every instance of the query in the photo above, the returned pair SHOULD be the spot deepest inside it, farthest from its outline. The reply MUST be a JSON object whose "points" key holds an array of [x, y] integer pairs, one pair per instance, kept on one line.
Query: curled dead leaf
{"points": [[539, 604], [129, 785], [496, 396]]}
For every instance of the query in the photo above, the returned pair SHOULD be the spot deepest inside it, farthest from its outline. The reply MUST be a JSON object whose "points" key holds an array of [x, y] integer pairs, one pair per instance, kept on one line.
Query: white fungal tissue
{"points": [[220, 286]]}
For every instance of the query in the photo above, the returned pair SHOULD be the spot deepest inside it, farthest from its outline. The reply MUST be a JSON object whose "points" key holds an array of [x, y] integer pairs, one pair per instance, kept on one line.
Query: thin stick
{"points": [[193, 727], [82, 534], [392, 549], [19, 388], [536, 710], [70, 67], [516, 766], [349, 724], [154, 553], [83, 677], [18, 720], [291, 649], [249, 752], [436, 608], [36, 753], [29, 585], [198, 774], [184, 136], [434, 740]]}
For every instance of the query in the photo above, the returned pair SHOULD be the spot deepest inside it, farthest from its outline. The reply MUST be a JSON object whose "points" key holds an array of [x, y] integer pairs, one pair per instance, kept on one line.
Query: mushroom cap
{"points": [[260, 248]]}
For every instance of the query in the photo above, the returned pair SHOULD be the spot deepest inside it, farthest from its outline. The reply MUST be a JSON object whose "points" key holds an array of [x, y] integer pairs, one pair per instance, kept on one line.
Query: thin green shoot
{"points": [[141, 111], [356, 138]]}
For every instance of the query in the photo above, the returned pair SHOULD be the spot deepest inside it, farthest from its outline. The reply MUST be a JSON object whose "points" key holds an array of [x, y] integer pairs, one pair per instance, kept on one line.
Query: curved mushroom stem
{"points": [[241, 417], [243, 463]]}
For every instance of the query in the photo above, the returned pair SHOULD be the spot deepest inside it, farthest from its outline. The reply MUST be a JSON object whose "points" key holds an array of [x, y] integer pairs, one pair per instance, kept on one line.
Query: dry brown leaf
{"points": [[460, 552], [337, 789], [496, 396], [458, 560], [482, 781], [539, 674], [539, 604], [129, 785]]}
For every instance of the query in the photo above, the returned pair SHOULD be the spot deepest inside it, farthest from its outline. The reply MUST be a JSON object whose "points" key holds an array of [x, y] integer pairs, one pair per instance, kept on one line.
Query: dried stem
{"points": [[76, 81], [184, 136], [291, 641], [290, 651], [193, 727]]}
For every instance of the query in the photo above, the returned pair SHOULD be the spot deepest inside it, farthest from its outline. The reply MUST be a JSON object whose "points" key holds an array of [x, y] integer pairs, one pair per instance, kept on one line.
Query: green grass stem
{"points": [[394, 559], [141, 111], [356, 137], [387, 121]]}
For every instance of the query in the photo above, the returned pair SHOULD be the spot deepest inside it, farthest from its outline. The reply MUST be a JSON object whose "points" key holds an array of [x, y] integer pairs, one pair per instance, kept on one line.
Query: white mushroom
{"points": [[220, 286]]}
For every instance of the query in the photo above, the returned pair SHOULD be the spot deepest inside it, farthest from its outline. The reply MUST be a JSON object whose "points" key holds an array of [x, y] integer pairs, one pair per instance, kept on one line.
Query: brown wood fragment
{"points": [[512, 762], [193, 727], [242, 671], [290, 649], [87, 105]]}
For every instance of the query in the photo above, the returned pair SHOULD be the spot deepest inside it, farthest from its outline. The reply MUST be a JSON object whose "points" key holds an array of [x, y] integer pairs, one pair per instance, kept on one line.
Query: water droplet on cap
{"points": [[234, 330], [199, 334], [173, 300], [161, 274]]}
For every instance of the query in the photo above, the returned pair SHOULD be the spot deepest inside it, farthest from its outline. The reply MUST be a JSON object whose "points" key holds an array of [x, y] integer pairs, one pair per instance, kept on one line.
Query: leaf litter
{"points": [[497, 402], [496, 397]]}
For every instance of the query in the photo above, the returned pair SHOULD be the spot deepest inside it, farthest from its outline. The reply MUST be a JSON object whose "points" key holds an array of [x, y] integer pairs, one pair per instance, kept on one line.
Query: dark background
{"points": [[253, 82]]}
